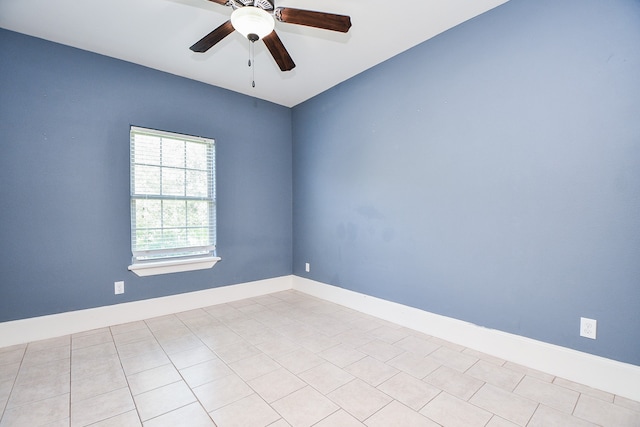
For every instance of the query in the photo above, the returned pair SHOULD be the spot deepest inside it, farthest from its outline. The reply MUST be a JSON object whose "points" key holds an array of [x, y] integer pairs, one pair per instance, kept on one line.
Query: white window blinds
{"points": [[173, 204]]}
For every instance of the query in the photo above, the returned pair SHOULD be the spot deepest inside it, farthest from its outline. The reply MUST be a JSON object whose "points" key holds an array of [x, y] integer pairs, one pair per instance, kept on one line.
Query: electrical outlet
{"points": [[118, 287], [307, 267], [588, 328]]}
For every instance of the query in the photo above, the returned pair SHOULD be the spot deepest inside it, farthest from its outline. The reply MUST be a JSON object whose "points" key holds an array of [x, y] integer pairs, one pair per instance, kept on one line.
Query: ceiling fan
{"points": [[255, 20]]}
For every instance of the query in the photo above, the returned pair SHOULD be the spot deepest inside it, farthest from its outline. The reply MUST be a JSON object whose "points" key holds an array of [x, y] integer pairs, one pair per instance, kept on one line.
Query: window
{"points": [[173, 206]]}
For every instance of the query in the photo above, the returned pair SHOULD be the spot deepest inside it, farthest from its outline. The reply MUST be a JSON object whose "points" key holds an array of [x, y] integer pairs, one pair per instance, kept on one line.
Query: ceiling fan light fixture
{"points": [[251, 20]]}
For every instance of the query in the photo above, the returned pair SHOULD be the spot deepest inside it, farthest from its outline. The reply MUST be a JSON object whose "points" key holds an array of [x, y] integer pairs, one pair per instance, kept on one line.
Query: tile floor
{"points": [[285, 359]]}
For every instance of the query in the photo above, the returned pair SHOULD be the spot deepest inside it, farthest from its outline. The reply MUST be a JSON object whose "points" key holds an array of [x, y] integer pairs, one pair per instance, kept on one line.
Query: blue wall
{"points": [[491, 174], [64, 177]]}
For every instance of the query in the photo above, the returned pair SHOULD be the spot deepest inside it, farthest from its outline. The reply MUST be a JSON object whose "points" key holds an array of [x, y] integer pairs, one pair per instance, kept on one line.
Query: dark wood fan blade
{"points": [[213, 37], [222, 2], [279, 52], [326, 21]]}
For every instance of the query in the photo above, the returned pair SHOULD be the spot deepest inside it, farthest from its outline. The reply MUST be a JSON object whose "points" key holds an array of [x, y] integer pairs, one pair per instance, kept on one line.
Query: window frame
{"points": [[148, 261]]}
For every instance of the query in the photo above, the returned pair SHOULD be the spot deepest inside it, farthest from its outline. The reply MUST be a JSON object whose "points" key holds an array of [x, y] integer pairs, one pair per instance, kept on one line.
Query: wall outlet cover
{"points": [[588, 328], [118, 288]]}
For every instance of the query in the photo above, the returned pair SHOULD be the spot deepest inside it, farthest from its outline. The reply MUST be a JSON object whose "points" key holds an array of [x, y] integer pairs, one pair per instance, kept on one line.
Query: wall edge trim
{"points": [[594, 371], [43, 327], [598, 372]]}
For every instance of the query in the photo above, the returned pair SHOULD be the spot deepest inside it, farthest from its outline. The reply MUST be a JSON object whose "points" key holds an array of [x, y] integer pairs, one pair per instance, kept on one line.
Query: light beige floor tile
{"points": [[221, 310], [359, 399], [454, 382], [254, 367], [248, 327], [380, 350], [277, 346], [218, 336], [144, 361], [453, 359], [192, 415], [449, 411], [177, 345], [10, 357], [448, 344], [90, 332], [9, 372], [137, 348], [549, 394], [583, 389], [5, 390], [163, 322], [134, 335], [604, 413], [627, 403], [102, 407], [128, 327], [409, 390], [529, 371], [342, 355], [317, 342], [396, 414], [339, 418], [49, 343], [299, 360], [94, 352], [496, 375], [483, 356], [162, 400], [304, 407], [43, 372], [248, 411], [302, 365], [153, 378], [11, 348], [496, 421], [414, 364], [507, 405], [87, 387], [221, 392], [416, 345], [191, 357], [353, 338], [60, 423], [237, 351], [280, 423], [389, 334], [127, 419], [326, 377], [203, 321], [205, 372], [98, 337], [276, 385], [548, 417], [295, 331], [38, 357], [365, 323], [38, 413], [92, 368], [371, 370], [180, 333], [32, 392]]}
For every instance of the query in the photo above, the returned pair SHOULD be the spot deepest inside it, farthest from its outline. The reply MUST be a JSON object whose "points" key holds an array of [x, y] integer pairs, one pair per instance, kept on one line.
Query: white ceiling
{"points": [[158, 33]]}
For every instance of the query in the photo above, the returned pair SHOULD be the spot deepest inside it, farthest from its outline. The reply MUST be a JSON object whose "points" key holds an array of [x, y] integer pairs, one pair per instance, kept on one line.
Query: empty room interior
{"points": [[416, 228]]}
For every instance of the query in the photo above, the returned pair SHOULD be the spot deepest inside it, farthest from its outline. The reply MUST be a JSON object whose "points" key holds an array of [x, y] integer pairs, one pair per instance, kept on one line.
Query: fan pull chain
{"points": [[252, 65]]}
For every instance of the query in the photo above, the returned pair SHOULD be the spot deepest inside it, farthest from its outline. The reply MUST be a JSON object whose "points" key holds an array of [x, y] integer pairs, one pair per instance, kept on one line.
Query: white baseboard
{"points": [[604, 374], [55, 325]]}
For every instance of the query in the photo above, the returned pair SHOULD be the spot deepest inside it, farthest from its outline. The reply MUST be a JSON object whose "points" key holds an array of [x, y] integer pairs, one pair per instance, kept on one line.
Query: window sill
{"points": [[173, 266]]}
